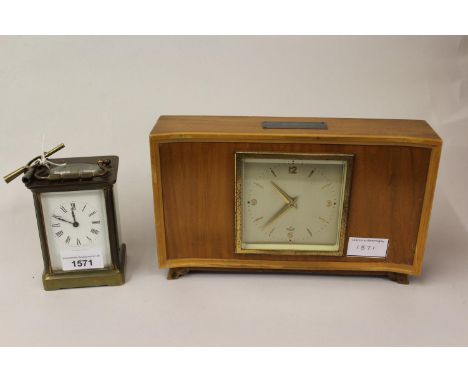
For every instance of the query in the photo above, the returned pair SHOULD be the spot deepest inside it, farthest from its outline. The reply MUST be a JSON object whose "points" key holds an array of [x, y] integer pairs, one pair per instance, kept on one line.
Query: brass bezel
{"points": [[239, 156]]}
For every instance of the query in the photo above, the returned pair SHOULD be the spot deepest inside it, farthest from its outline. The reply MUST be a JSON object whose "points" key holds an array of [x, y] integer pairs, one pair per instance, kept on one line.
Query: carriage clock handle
{"points": [[14, 174]]}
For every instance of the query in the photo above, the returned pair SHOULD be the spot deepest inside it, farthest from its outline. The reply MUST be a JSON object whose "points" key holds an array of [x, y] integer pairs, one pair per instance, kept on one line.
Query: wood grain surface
{"points": [[415, 132]]}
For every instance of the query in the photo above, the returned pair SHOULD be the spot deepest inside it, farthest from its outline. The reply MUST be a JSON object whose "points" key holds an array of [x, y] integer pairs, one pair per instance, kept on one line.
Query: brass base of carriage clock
{"points": [[82, 279]]}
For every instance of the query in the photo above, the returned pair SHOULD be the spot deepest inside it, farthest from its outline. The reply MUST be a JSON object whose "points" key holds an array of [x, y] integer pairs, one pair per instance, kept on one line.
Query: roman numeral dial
{"points": [[76, 223], [76, 227]]}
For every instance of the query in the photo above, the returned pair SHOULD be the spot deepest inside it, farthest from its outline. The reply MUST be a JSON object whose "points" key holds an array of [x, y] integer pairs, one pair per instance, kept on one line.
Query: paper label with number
{"points": [[77, 259], [367, 247]]}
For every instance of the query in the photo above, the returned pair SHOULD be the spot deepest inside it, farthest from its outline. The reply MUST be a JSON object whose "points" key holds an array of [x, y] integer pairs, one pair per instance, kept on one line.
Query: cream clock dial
{"points": [[291, 202]]}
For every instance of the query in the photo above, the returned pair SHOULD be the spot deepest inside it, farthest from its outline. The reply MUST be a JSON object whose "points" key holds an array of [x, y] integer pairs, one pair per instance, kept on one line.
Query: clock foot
{"points": [[175, 273], [400, 278]]}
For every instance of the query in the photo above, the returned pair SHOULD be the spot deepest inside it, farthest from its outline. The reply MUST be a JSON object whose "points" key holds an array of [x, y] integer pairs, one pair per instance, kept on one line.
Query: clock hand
{"points": [[283, 209], [285, 196], [73, 213], [72, 208], [62, 219]]}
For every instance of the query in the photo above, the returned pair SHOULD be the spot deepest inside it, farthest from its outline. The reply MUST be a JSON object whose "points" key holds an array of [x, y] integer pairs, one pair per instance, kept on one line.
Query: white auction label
{"points": [[367, 247], [76, 259]]}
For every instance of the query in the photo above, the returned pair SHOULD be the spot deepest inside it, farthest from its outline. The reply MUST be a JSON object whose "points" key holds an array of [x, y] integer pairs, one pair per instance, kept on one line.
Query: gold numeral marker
{"points": [[324, 220]]}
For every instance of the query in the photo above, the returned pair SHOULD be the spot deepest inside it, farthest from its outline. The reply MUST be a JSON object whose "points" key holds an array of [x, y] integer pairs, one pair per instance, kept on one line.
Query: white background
{"points": [[103, 95]]}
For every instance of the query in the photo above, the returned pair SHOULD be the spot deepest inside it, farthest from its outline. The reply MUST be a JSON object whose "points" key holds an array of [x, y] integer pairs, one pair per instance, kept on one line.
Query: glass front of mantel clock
{"points": [[291, 202], [77, 230]]}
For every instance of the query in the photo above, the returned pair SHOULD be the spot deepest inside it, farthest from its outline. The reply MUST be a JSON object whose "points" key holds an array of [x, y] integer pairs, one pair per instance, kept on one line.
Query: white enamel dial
{"points": [[292, 203], [76, 222]]}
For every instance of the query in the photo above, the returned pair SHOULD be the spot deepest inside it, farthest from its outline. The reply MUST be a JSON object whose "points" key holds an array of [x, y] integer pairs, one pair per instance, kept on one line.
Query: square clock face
{"points": [[290, 203]]}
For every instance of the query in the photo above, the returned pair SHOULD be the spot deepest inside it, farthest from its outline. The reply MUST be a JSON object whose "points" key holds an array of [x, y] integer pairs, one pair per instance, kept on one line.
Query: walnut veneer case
{"points": [[286, 194]]}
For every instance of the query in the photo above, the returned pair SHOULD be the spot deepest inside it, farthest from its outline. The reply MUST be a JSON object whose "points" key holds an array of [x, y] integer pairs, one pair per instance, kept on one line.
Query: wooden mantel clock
{"points": [[337, 196]]}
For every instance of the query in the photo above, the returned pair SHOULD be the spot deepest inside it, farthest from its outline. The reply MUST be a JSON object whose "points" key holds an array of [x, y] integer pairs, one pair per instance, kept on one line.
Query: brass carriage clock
{"points": [[77, 218]]}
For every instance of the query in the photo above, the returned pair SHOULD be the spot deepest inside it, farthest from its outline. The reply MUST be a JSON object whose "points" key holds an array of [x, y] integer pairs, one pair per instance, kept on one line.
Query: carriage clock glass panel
{"points": [[290, 202], [77, 231]]}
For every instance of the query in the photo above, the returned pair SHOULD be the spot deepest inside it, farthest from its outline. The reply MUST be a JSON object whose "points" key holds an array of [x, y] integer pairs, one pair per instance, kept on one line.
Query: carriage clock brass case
{"points": [[78, 191]]}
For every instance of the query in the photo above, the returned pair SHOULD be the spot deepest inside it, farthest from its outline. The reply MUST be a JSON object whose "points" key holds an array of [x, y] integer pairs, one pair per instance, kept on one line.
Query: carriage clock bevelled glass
{"points": [[77, 217]]}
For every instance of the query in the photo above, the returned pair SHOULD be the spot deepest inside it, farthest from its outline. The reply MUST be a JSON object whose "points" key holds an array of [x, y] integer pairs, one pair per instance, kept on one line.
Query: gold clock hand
{"points": [[285, 196], [283, 209]]}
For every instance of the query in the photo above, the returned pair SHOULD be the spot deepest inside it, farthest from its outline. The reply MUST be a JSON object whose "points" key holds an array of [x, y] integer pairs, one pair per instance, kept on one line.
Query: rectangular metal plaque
{"points": [[294, 125]]}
